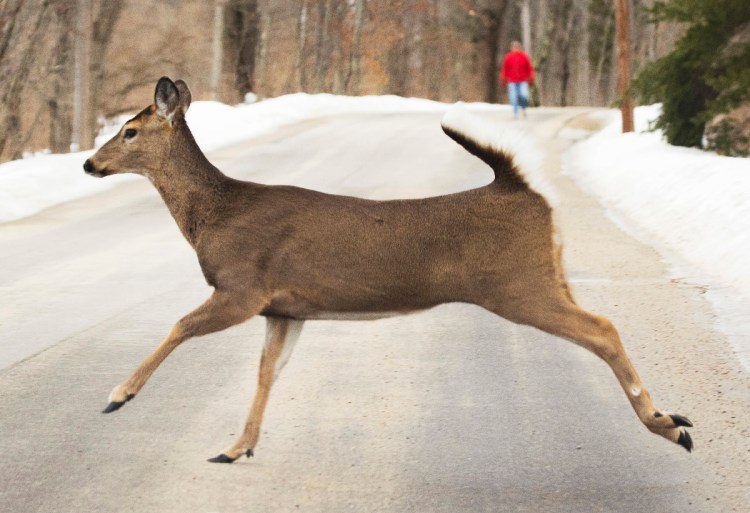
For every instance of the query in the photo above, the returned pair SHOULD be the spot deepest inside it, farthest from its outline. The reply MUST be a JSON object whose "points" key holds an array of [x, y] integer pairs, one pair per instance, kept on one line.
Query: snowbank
{"points": [[692, 206]]}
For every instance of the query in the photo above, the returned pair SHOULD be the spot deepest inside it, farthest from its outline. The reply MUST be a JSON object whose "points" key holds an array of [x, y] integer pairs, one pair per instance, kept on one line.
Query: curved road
{"points": [[450, 410]]}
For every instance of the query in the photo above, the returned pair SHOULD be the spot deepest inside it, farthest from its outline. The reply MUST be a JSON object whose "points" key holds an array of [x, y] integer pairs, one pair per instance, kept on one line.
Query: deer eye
{"points": [[130, 133]]}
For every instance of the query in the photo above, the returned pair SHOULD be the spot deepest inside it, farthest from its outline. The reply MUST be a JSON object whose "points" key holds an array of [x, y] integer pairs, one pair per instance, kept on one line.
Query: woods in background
{"points": [[67, 64]]}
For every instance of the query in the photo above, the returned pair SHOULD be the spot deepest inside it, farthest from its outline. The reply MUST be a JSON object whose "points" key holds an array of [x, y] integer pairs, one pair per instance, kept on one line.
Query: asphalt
{"points": [[448, 410]]}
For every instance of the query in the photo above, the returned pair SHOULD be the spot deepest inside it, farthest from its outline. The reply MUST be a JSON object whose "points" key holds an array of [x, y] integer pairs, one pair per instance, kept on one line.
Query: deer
{"points": [[292, 255]]}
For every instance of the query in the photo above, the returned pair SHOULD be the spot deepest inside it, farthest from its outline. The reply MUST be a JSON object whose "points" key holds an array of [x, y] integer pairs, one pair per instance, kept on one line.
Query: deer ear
{"points": [[166, 98], [185, 96]]}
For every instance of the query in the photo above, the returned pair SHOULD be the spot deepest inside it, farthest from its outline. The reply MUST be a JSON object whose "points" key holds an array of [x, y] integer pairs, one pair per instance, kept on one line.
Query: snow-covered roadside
{"points": [[692, 206], [41, 181]]}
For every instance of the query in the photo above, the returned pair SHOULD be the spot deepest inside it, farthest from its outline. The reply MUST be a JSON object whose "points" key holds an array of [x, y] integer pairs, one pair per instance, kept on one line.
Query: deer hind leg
{"points": [[281, 336], [597, 334], [222, 310]]}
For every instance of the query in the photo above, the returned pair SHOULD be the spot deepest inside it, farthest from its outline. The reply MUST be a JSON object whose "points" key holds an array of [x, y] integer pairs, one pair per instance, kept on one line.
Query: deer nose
{"points": [[88, 166]]}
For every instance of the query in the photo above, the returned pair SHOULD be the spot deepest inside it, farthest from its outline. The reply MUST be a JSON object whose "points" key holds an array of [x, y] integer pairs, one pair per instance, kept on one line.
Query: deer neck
{"points": [[192, 188]]}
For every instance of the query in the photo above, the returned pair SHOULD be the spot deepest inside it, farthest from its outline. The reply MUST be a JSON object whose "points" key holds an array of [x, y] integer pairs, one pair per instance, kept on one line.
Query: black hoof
{"points": [[221, 458], [116, 405], [249, 453], [686, 441], [679, 420]]}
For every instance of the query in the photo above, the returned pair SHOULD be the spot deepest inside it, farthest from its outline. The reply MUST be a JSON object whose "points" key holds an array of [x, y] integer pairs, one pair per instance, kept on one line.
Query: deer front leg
{"points": [[281, 336], [222, 310]]}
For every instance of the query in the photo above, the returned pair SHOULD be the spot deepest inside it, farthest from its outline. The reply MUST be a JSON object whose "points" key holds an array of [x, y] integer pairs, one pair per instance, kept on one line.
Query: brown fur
{"points": [[291, 253]]}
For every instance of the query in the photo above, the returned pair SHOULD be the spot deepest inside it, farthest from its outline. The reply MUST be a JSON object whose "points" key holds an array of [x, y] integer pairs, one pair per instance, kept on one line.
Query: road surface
{"points": [[450, 410]]}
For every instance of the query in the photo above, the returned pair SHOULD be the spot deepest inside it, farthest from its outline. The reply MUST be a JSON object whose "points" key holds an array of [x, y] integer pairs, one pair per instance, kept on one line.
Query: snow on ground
{"points": [[692, 206]]}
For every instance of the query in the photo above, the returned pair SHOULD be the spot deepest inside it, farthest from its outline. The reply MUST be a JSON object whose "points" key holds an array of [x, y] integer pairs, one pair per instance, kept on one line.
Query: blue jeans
{"points": [[518, 93]]}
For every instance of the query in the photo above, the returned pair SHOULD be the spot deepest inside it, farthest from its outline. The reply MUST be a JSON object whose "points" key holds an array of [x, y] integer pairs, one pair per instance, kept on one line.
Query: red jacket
{"points": [[517, 68]]}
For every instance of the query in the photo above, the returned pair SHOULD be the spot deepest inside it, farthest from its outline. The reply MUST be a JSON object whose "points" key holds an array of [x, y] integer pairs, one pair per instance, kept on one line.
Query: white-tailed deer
{"points": [[293, 254]]}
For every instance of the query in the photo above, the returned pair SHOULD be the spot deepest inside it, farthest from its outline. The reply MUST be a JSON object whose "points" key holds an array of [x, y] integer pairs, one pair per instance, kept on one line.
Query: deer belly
{"points": [[298, 306]]}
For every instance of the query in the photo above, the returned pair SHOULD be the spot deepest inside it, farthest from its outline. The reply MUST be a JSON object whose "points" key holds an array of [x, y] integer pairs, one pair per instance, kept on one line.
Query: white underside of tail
{"points": [[513, 141]]}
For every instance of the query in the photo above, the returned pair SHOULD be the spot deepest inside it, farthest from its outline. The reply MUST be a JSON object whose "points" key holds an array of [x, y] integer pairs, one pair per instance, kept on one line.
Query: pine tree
{"points": [[707, 74]]}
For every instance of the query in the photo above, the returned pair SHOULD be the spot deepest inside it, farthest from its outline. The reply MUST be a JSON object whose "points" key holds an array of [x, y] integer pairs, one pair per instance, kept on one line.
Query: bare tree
{"points": [[60, 100], [22, 29], [493, 14], [217, 48], [583, 87], [526, 26], [600, 68], [9, 20], [436, 73], [565, 44], [263, 43], [95, 21], [105, 17], [355, 59], [300, 70], [241, 39], [83, 133]]}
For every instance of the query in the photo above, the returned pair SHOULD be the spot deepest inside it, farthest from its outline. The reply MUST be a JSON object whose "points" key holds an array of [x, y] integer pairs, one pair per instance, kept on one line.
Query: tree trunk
{"points": [[355, 60], [565, 53], [542, 32], [82, 132], [60, 101], [624, 66], [583, 94], [217, 48], [526, 26], [601, 92], [103, 26], [300, 68], [241, 36], [399, 53], [322, 45], [23, 39], [437, 75], [262, 51], [9, 14], [494, 17]]}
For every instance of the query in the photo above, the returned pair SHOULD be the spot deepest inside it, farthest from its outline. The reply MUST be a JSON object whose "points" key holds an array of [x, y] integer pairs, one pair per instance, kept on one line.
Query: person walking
{"points": [[517, 73]]}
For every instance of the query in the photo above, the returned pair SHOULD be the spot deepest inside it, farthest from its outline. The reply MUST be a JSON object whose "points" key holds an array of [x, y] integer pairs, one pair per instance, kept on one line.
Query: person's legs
{"points": [[523, 95], [513, 97]]}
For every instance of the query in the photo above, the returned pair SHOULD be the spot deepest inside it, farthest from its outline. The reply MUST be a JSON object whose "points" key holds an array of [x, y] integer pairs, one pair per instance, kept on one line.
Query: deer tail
{"points": [[510, 153]]}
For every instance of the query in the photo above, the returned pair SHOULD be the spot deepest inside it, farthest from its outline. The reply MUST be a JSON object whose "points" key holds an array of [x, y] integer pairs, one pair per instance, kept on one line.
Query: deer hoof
{"points": [[116, 405], [249, 453], [679, 420], [685, 440], [221, 458]]}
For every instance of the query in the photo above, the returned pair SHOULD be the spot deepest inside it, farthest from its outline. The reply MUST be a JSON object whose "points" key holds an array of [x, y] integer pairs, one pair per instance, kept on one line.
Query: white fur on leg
{"points": [[293, 329]]}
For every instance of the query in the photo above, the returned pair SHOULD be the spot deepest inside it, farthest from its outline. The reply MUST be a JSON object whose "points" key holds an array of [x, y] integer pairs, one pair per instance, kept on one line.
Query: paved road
{"points": [[444, 411]]}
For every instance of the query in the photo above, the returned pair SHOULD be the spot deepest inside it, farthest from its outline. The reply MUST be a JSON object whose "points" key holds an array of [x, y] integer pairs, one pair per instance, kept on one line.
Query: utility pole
{"points": [[624, 60]]}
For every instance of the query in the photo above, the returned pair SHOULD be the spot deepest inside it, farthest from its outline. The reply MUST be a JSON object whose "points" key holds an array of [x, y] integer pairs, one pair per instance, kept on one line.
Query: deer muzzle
{"points": [[90, 168]]}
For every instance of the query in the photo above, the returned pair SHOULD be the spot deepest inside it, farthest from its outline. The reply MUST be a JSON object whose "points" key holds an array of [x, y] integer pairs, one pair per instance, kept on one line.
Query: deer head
{"points": [[144, 142]]}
